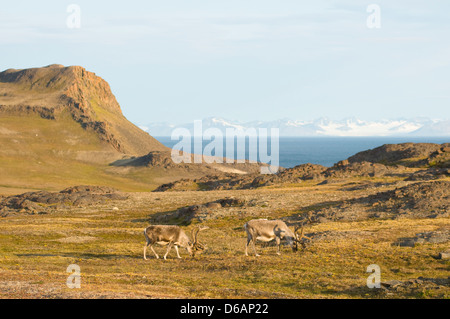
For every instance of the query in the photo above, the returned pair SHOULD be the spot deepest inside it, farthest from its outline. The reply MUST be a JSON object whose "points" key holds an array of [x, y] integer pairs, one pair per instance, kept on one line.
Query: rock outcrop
{"points": [[43, 202], [407, 154], [418, 200], [55, 91]]}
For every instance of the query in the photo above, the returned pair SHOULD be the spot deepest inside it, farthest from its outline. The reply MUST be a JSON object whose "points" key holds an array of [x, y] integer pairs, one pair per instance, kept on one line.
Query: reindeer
{"points": [[172, 236], [268, 230]]}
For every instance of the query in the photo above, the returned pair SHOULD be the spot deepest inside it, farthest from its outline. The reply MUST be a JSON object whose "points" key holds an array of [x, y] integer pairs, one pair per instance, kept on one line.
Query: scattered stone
{"points": [[231, 202], [431, 237], [336, 235], [412, 287], [444, 255], [391, 284], [418, 200], [363, 169], [429, 174], [406, 242]]}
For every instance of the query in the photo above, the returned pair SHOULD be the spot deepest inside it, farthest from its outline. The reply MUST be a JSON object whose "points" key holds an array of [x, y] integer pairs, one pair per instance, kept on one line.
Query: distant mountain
{"points": [[441, 128], [320, 127]]}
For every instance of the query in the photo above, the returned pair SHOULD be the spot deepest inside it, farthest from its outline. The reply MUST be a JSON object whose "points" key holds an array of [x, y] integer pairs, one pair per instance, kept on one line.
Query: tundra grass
{"points": [[29, 159], [35, 252]]}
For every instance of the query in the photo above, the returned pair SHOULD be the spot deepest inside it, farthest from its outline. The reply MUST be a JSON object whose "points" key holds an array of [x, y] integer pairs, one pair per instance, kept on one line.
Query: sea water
{"points": [[323, 150]]}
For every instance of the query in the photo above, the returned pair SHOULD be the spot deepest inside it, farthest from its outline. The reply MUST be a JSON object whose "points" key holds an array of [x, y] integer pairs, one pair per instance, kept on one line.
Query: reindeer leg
{"points": [[151, 247], [278, 240], [147, 242], [169, 247], [246, 245], [254, 247], [145, 250], [178, 254]]}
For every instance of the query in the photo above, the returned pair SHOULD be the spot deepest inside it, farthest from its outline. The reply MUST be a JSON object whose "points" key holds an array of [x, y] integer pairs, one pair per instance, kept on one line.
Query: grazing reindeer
{"points": [[268, 230], [172, 236]]}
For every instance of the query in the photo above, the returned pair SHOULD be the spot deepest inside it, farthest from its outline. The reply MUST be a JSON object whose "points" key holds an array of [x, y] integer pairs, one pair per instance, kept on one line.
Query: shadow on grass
{"points": [[85, 255], [173, 217]]}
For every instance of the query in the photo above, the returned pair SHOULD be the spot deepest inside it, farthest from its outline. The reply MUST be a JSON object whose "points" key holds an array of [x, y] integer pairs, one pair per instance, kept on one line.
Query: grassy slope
{"points": [[30, 158], [34, 257]]}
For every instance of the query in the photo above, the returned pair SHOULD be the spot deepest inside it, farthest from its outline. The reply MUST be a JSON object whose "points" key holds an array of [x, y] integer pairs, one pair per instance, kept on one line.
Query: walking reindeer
{"points": [[172, 236], [268, 230]]}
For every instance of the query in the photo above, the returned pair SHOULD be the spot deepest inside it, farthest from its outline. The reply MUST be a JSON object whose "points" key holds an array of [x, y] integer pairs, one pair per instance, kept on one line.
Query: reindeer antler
{"points": [[302, 228], [300, 236], [296, 228], [195, 232]]}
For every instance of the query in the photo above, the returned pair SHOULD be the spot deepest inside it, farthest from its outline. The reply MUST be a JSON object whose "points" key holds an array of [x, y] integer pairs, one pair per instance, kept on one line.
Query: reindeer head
{"points": [[293, 241], [196, 246]]}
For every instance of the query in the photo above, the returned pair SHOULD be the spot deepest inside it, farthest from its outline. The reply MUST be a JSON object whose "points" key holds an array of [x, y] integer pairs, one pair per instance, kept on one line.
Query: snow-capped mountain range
{"points": [[319, 127]]}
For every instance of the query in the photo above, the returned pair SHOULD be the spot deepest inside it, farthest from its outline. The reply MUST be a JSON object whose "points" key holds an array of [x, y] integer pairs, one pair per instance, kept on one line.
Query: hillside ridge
{"points": [[54, 90]]}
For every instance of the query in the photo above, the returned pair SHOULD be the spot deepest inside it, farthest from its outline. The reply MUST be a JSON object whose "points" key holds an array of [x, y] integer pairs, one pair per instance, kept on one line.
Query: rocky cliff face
{"points": [[55, 91]]}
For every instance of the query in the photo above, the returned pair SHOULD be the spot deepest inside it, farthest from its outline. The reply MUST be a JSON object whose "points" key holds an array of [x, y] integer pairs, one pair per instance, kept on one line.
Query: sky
{"points": [[181, 60]]}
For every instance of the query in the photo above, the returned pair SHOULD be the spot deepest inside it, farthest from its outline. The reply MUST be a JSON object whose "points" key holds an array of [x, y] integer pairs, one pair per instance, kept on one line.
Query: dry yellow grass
{"points": [[35, 252]]}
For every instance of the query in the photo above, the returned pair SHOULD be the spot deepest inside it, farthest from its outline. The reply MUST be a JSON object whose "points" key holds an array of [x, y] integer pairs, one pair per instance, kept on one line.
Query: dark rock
{"points": [[419, 200], [406, 242], [231, 202], [391, 283], [432, 237], [213, 205], [429, 174], [364, 169], [43, 201]]}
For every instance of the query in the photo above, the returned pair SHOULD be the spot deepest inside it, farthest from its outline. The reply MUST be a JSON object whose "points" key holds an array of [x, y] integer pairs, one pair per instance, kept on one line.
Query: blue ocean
{"points": [[325, 150]]}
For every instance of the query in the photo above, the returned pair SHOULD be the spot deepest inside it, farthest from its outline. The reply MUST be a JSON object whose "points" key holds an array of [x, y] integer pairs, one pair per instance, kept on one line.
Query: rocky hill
{"points": [[62, 126], [55, 91], [407, 154]]}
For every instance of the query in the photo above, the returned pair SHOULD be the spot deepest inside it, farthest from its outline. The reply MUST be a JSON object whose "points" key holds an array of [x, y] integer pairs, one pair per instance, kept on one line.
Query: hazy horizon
{"points": [[348, 127], [237, 120]]}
